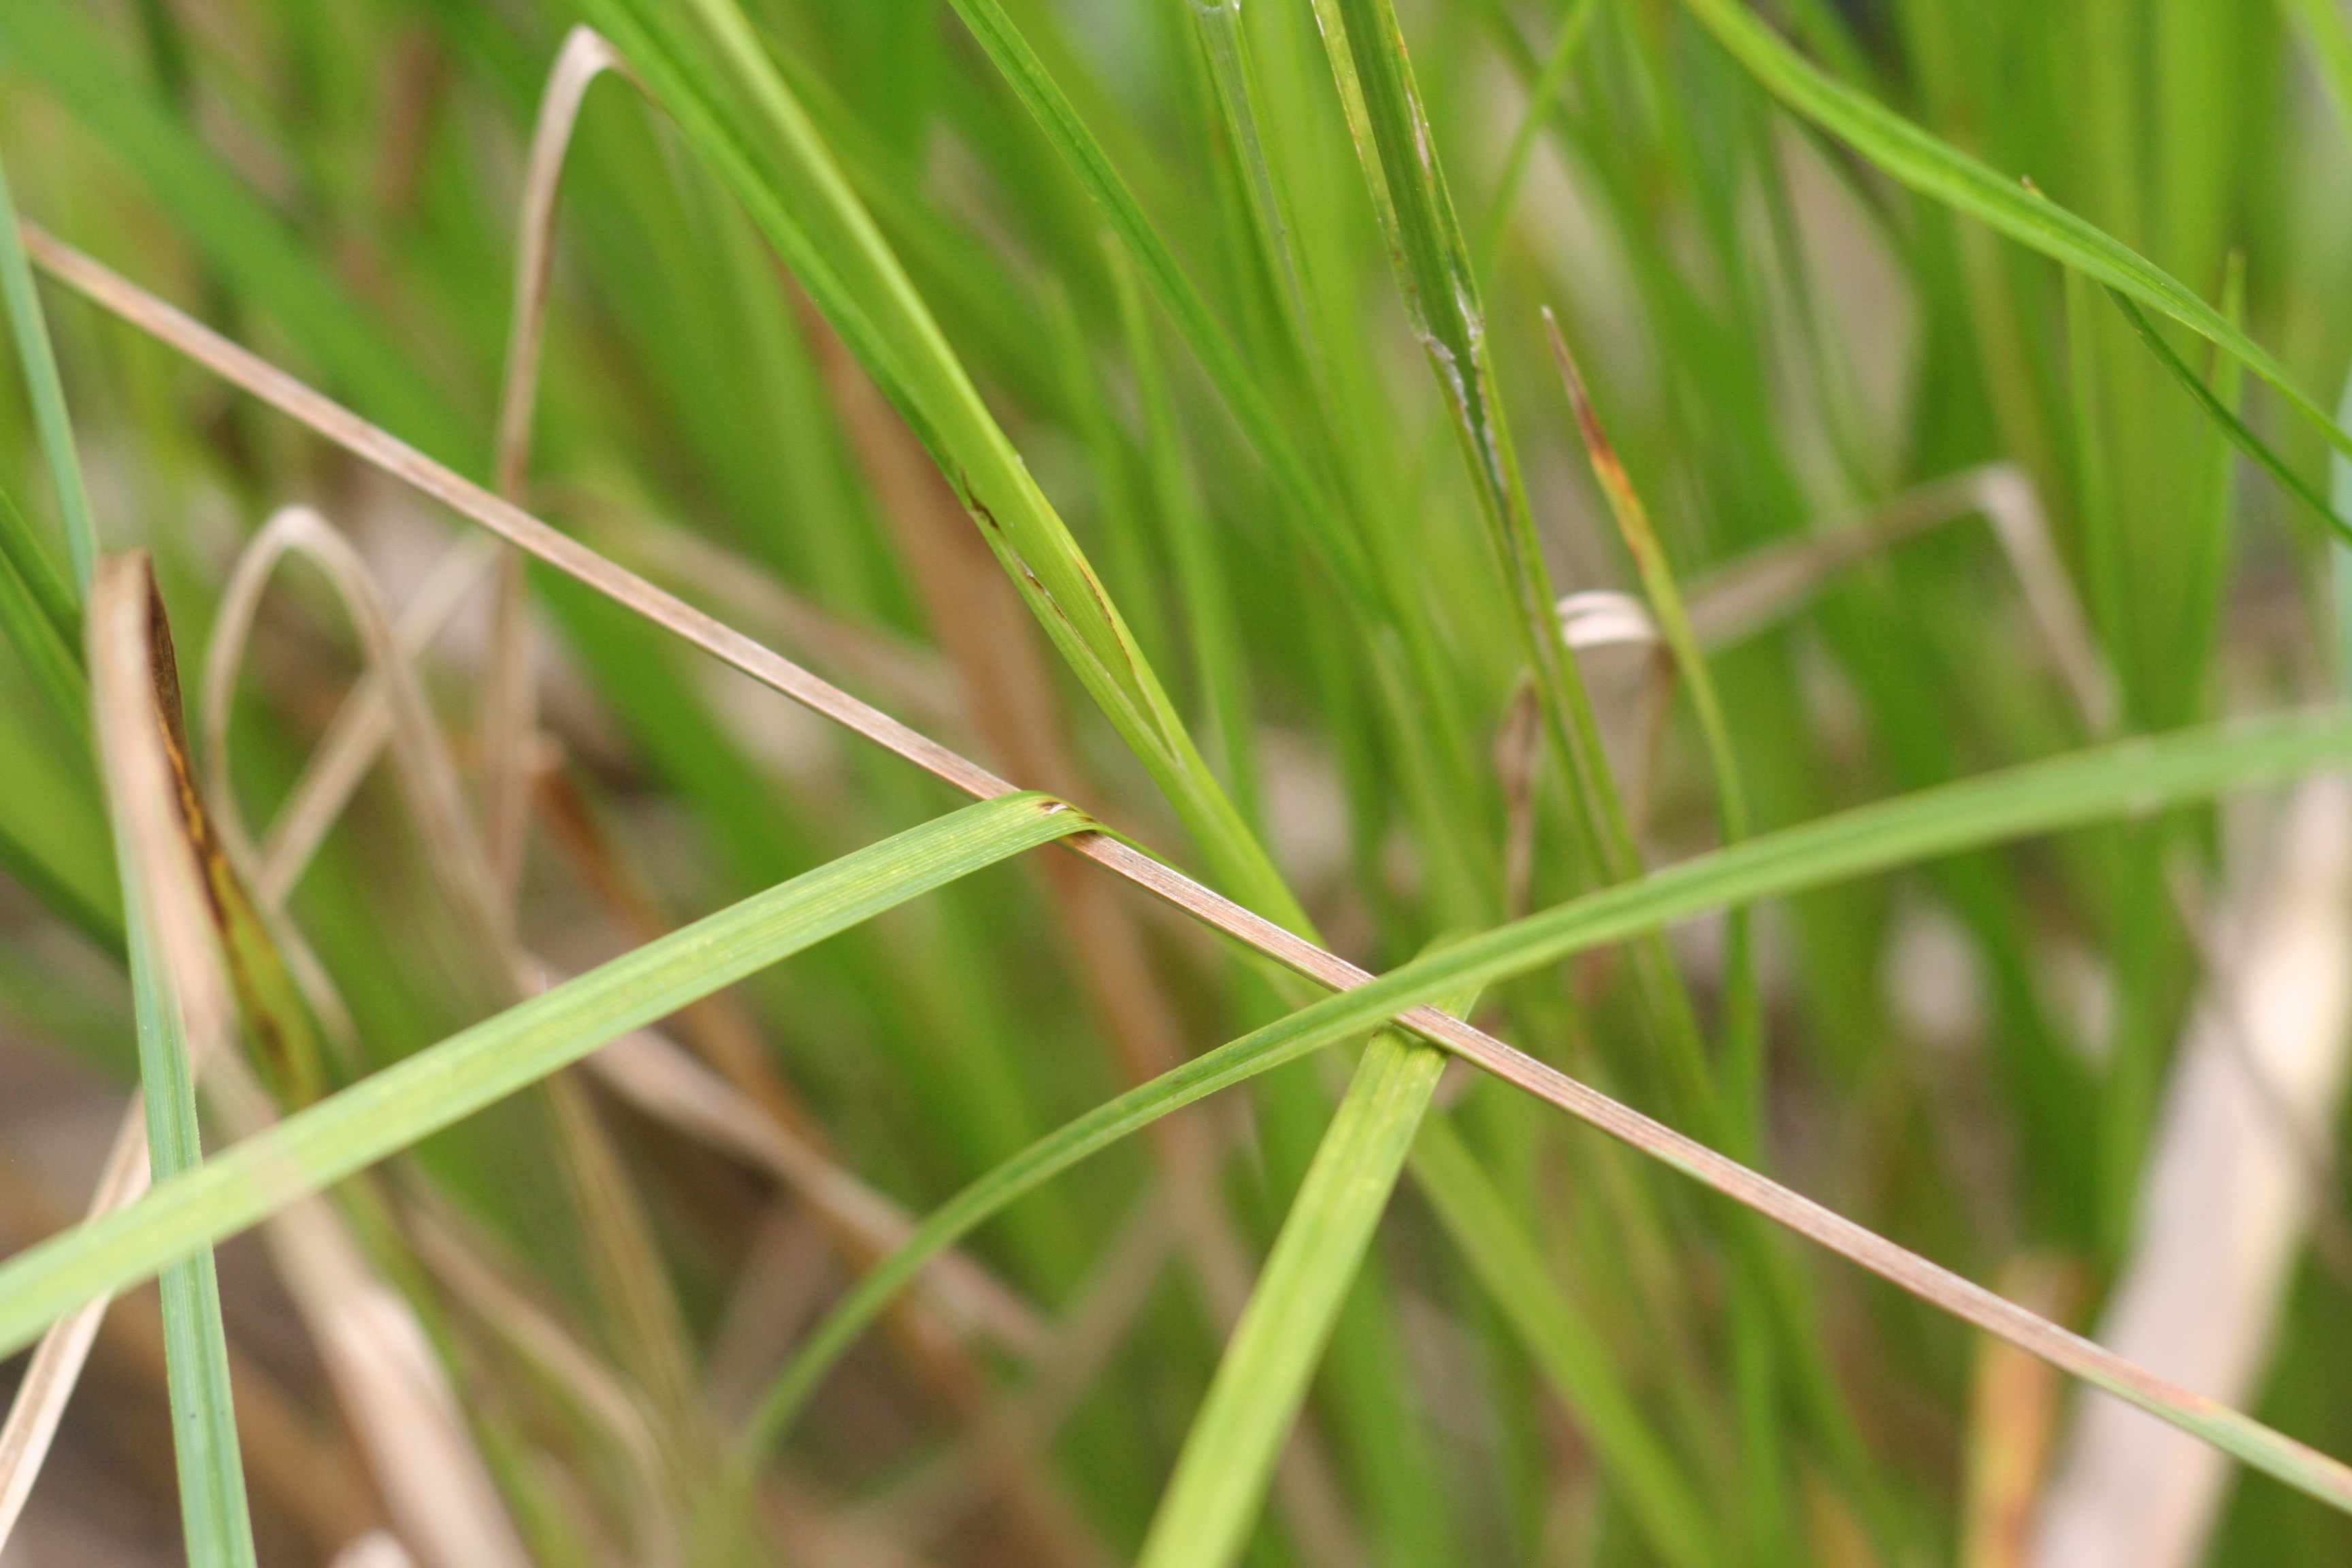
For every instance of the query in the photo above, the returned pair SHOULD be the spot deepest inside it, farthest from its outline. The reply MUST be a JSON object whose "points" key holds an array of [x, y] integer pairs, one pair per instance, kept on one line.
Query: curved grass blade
{"points": [[182, 1008], [2142, 774], [477, 1067], [1937, 170], [40, 364]]}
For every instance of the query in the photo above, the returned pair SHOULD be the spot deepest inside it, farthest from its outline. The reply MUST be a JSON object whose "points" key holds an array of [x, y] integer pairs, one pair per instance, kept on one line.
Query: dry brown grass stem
{"points": [[1738, 600], [1907, 1271], [510, 705], [56, 1364]]}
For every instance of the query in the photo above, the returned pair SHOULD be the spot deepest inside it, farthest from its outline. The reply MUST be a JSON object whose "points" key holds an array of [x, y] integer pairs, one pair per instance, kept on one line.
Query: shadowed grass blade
{"points": [[395, 1108]]}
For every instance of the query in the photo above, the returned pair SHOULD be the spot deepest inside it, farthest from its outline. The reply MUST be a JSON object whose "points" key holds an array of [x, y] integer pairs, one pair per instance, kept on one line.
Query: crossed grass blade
{"points": [[2131, 776], [1229, 1453], [474, 1069], [2067, 792]]}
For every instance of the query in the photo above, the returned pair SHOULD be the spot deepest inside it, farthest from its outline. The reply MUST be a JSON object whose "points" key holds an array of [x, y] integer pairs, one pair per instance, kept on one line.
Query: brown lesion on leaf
{"points": [[292, 1066]]}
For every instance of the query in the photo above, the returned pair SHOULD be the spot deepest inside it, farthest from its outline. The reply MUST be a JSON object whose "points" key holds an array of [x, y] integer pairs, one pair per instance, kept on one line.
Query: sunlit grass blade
{"points": [[1935, 168], [715, 77], [182, 1008], [2067, 792], [31, 330], [419, 1096], [1221, 1477]]}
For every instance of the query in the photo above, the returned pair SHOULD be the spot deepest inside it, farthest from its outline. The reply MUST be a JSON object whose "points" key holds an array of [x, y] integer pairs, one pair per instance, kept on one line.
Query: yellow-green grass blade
{"points": [[1221, 1477], [395, 1108], [31, 330], [711, 70], [1937, 169], [2137, 775]]}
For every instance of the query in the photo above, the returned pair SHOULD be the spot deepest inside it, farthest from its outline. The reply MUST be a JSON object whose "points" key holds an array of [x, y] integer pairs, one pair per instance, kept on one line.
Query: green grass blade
{"points": [[2135, 775], [1241, 390], [1568, 1350], [445, 1083], [1937, 169], [1228, 1456], [38, 619], [2241, 435], [213, 1512], [719, 80], [33, 351], [137, 695]]}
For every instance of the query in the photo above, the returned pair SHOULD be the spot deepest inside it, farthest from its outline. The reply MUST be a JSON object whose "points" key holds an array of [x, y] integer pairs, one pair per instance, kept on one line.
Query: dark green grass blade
{"points": [[2241, 435]]}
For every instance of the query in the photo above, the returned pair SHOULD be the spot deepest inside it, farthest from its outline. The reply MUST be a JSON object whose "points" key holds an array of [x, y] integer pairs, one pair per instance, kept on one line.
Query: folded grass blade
{"points": [[183, 1011]]}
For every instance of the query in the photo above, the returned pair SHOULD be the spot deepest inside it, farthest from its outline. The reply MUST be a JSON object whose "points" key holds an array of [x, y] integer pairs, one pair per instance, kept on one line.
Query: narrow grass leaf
{"points": [[40, 365], [39, 618], [2137, 775], [1938, 170], [2241, 435], [445, 1083], [1204, 1516]]}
